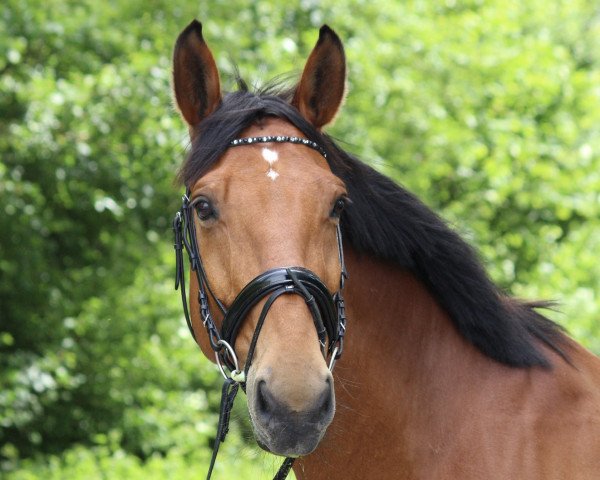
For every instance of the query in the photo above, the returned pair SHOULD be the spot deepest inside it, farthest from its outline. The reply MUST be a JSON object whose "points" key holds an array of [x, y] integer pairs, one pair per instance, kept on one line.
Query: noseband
{"points": [[327, 309]]}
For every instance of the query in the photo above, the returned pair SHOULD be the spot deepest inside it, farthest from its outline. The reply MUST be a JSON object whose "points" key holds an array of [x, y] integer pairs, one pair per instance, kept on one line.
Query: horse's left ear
{"points": [[320, 92]]}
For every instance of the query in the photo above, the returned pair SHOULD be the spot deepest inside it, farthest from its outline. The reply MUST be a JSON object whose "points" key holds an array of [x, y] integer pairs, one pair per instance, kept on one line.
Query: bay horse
{"points": [[442, 375]]}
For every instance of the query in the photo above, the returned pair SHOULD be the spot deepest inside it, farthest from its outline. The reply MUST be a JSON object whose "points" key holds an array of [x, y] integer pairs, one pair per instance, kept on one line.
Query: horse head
{"points": [[263, 198]]}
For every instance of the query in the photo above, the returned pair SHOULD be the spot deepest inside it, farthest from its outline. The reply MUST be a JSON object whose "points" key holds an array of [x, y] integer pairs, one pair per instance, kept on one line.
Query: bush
{"points": [[490, 111]]}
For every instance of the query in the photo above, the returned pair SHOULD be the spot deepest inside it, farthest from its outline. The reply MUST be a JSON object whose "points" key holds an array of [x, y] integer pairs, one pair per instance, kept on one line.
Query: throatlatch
{"points": [[327, 310]]}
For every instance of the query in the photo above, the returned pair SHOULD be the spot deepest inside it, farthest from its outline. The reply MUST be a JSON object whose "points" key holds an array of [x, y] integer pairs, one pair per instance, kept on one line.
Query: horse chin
{"points": [[292, 444]]}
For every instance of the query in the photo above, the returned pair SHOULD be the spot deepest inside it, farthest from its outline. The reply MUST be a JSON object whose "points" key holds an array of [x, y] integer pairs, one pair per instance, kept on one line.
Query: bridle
{"points": [[327, 309]]}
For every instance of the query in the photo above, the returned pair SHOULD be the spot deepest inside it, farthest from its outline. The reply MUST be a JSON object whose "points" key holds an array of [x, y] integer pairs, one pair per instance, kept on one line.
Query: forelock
{"points": [[238, 111]]}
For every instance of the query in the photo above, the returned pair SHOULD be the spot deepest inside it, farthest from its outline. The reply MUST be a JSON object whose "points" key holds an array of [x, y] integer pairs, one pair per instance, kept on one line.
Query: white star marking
{"points": [[270, 157]]}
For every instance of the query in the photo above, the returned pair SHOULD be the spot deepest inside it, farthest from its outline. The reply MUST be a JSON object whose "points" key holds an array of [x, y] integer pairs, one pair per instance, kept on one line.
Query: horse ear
{"points": [[195, 76], [320, 92]]}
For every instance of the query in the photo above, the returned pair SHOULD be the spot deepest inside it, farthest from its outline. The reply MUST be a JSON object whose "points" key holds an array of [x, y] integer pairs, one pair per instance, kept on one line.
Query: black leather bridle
{"points": [[327, 309]]}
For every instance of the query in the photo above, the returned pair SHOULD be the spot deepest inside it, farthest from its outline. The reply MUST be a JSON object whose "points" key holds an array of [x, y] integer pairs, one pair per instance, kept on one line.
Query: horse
{"points": [[443, 376]]}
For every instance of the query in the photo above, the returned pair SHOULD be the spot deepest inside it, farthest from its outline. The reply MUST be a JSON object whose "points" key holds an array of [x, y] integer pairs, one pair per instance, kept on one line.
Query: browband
{"points": [[279, 139]]}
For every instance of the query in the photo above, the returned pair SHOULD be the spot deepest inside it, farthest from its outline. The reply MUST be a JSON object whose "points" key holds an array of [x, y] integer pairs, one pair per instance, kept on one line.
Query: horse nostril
{"points": [[270, 409], [262, 399], [324, 403]]}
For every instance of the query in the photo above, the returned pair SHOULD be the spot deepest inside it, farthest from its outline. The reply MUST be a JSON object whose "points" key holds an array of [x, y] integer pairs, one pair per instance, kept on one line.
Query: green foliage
{"points": [[110, 462], [489, 111]]}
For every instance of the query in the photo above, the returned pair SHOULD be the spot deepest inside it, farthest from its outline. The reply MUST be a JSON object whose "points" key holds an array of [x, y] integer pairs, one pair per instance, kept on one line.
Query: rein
{"points": [[327, 309]]}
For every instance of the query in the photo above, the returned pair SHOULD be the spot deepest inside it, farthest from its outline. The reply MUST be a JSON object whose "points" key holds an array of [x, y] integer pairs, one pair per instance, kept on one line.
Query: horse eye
{"points": [[339, 206], [204, 209]]}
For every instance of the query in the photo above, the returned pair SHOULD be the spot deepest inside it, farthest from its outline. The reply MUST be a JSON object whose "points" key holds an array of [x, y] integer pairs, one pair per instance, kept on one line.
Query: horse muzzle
{"points": [[285, 430]]}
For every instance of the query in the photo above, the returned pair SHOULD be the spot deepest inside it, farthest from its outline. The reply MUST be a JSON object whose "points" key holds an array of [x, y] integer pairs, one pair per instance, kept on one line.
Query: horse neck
{"points": [[401, 358], [411, 391], [396, 330]]}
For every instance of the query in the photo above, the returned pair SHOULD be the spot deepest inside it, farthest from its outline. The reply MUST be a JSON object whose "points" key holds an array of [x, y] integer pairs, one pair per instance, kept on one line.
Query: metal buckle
{"points": [[236, 374]]}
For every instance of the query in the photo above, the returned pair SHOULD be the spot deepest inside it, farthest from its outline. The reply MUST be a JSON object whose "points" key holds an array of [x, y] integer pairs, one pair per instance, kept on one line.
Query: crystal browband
{"points": [[279, 139]]}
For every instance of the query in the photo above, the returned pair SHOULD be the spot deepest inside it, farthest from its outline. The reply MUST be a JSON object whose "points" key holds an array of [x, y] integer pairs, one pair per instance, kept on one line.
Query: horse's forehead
{"points": [[271, 169]]}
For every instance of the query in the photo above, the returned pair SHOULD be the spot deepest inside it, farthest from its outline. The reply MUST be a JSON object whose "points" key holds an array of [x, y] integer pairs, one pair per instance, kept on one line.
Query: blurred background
{"points": [[487, 110]]}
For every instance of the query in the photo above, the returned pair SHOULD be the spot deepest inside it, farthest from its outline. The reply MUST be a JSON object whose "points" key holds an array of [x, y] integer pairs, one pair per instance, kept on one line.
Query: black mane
{"points": [[391, 224]]}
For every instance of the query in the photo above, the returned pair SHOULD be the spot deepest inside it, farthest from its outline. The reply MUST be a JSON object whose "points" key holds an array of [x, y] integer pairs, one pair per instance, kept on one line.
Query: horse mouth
{"points": [[290, 442], [281, 430]]}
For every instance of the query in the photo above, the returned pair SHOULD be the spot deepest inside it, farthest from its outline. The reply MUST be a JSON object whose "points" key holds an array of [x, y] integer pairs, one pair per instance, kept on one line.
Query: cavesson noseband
{"points": [[327, 309]]}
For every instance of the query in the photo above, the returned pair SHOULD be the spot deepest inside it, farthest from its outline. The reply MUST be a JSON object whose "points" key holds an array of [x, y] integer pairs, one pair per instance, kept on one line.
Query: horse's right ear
{"points": [[195, 76]]}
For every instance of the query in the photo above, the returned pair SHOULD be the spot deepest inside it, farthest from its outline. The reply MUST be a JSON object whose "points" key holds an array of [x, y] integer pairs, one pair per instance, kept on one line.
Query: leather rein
{"points": [[327, 309]]}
